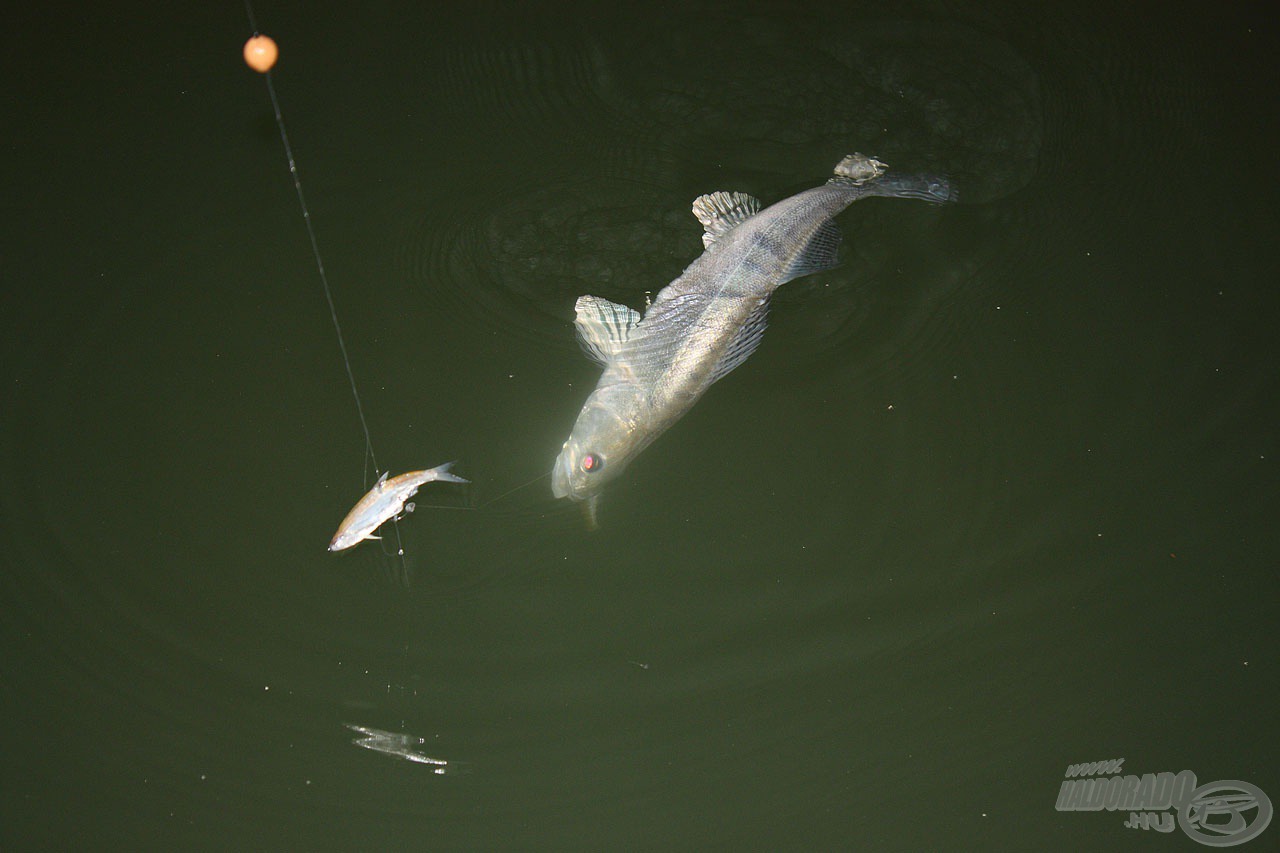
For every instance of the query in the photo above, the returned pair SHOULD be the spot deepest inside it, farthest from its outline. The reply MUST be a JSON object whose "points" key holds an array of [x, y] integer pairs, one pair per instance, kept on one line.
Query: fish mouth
{"points": [[561, 480]]}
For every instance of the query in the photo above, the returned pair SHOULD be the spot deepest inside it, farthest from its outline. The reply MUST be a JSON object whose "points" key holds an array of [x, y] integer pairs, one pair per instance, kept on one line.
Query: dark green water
{"points": [[996, 497]]}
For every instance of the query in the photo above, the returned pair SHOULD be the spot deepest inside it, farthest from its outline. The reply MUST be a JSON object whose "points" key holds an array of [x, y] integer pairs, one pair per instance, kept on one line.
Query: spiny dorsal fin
{"points": [[745, 343], [603, 327], [382, 479], [722, 211]]}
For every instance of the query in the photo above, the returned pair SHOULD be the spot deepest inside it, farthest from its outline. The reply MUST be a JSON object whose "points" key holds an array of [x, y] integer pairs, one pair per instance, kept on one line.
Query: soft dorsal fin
{"points": [[857, 168], [818, 254], [720, 212], [603, 327], [745, 343]]}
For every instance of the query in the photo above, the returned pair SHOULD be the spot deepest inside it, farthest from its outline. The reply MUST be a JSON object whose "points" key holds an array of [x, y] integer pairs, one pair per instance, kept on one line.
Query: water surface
{"points": [[995, 497]]}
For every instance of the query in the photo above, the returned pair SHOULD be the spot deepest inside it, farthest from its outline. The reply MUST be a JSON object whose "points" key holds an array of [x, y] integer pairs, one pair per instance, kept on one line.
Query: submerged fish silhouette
{"points": [[384, 501], [710, 319]]}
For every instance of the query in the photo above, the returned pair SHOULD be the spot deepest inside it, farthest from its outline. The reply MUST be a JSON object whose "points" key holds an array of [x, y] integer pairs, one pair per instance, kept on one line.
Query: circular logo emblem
{"points": [[1224, 814]]}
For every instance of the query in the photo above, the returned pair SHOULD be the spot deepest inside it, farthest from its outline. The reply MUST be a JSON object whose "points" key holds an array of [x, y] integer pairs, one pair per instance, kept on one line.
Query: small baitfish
{"points": [[385, 500], [710, 319]]}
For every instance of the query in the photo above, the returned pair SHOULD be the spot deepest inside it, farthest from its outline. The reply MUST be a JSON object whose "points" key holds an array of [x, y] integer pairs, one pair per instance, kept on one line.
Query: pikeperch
{"points": [[385, 500], [710, 319]]}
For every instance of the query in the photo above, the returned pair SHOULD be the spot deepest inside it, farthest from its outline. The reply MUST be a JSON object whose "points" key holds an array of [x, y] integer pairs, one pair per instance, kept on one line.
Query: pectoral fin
{"points": [[603, 327], [819, 253], [745, 343], [589, 507]]}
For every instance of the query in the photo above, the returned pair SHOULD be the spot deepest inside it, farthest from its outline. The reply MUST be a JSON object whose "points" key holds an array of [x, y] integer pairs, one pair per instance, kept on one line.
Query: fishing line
{"points": [[370, 456], [491, 501], [512, 491]]}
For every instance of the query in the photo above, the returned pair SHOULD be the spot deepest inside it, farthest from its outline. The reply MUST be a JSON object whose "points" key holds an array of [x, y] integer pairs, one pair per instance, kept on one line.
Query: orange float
{"points": [[260, 53]]}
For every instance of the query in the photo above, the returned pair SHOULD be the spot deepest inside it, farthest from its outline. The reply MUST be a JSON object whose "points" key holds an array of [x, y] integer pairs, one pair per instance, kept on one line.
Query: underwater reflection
{"points": [[400, 745]]}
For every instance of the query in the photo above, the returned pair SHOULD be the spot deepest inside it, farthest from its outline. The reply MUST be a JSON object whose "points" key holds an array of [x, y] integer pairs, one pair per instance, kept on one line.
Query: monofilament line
{"points": [[324, 279], [315, 251], [370, 456]]}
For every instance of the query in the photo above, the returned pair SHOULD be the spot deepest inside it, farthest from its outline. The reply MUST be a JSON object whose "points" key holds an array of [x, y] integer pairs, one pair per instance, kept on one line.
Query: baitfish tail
{"points": [[443, 475]]}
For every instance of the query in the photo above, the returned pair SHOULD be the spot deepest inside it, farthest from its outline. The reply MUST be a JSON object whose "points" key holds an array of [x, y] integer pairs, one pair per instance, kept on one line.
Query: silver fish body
{"points": [[384, 501], [710, 319]]}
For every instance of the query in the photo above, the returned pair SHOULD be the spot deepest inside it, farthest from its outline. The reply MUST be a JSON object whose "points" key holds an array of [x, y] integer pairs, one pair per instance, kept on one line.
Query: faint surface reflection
{"points": [[400, 745]]}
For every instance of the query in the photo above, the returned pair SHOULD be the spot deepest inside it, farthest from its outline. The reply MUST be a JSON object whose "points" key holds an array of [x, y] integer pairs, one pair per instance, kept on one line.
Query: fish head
{"points": [[343, 539], [604, 440]]}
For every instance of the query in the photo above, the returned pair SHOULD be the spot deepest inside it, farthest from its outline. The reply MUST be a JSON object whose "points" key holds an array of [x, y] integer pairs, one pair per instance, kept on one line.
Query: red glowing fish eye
{"points": [[591, 462]]}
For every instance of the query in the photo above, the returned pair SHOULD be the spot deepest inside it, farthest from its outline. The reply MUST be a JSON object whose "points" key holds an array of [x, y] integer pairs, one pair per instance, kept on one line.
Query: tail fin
{"points": [[870, 177], [443, 475], [934, 188]]}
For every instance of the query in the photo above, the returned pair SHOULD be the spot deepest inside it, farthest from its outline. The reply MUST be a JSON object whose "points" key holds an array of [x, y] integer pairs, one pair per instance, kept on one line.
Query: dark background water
{"points": [[996, 497]]}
